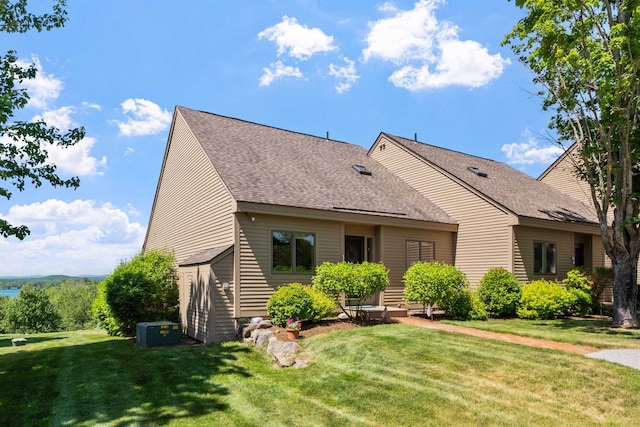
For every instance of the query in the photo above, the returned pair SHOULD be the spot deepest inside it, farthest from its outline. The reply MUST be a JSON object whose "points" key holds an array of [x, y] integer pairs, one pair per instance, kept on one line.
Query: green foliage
{"points": [[434, 283], [31, 312], [323, 306], [466, 305], [24, 144], [141, 290], [299, 302], [585, 55], [602, 279], [5, 301], [357, 282], [73, 302], [578, 283], [290, 302], [500, 291], [102, 312], [542, 299]]}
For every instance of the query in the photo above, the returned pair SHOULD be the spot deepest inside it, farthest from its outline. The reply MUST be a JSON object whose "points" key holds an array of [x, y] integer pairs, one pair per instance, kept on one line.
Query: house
{"points": [[505, 218], [247, 208]]}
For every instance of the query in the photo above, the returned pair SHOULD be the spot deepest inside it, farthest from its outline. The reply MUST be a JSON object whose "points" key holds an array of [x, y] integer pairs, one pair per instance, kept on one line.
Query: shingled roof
{"points": [[263, 164], [514, 191]]}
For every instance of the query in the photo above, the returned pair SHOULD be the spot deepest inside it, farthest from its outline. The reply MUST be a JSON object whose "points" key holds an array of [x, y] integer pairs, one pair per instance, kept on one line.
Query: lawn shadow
{"points": [[596, 327], [115, 383]]}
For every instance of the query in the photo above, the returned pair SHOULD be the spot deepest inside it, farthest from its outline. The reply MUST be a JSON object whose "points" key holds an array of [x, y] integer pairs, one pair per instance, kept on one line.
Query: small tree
{"points": [[357, 282], [32, 312], [290, 302], [73, 302], [500, 291], [141, 290], [5, 301], [433, 283]]}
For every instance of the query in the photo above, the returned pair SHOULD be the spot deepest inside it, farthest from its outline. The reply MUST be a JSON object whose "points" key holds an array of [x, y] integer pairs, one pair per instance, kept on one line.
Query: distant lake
{"points": [[11, 293]]}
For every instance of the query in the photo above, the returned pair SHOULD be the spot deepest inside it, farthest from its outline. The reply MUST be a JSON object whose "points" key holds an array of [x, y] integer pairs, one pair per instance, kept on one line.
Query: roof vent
{"points": [[477, 171], [361, 170]]}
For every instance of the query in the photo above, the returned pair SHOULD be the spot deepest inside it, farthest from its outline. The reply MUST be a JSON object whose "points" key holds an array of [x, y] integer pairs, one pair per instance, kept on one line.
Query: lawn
{"points": [[590, 331], [391, 375]]}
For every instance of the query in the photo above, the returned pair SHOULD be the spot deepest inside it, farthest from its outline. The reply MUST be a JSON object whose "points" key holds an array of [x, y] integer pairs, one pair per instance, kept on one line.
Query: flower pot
{"points": [[292, 334]]}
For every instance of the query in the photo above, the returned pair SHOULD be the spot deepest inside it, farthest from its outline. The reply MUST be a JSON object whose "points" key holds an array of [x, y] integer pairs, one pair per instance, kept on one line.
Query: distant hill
{"points": [[41, 281]]}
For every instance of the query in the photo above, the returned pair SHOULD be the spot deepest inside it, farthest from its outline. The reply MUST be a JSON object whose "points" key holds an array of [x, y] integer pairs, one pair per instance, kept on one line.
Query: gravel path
{"points": [[629, 358]]}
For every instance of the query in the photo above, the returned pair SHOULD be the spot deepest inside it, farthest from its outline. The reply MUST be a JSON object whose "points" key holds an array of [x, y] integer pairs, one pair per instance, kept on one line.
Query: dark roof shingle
{"points": [[262, 164], [515, 191]]}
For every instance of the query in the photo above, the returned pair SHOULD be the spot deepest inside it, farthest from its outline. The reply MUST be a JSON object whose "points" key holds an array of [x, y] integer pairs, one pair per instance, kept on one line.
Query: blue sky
{"points": [[354, 69]]}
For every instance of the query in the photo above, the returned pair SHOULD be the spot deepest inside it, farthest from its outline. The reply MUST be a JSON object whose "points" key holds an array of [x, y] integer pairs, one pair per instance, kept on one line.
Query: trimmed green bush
{"points": [[578, 283], [542, 299], [323, 306], [500, 291], [434, 283], [141, 290], [466, 305], [357, 282], [290, 302]]}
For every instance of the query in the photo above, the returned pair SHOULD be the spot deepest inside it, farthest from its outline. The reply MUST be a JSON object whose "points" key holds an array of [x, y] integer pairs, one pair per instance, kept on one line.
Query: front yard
{"points": [[382, 375]]}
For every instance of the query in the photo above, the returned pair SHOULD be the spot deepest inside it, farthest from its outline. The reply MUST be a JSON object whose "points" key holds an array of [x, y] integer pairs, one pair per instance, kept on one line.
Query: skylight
{"points": [[477, 171], [362, 170]]}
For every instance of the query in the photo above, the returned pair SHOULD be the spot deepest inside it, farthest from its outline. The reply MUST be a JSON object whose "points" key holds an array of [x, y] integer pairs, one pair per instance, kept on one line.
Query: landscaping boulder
{"points": [[260, 336], [283, 352]]}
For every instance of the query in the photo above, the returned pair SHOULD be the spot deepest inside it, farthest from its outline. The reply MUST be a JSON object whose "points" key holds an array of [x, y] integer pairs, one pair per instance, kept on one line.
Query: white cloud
{"points": [[129, 150], [279, 71], [91, 105], [75, 159], [346, 75], [298, 41], [42, 89], [146, 118], [528, 152], [79, 237], [429, 51]]}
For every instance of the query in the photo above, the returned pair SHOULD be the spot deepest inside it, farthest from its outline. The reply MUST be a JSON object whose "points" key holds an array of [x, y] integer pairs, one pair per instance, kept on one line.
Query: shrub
{"points": [[542, 299], [323, 306], [602, 279], [466, 305], [356, 281], [31, 312], [290, 302], [500, 291], [73, 301], [141, 290], [433, 283], [578, 283]]}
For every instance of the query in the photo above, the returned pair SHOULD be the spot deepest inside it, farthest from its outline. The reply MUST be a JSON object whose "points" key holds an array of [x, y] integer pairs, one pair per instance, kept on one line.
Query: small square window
{"points": [[544, 258]]}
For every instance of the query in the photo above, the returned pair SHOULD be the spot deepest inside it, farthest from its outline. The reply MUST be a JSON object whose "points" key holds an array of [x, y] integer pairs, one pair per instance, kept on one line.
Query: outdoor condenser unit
{"points": [[157, 333]]}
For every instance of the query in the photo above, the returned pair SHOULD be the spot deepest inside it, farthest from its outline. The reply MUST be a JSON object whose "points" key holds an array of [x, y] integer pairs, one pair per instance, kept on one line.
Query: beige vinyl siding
{"points": [[206, 309], [524, 238], [257, 282], [484, 236], [193, 209], [562, 177], [393, 255]]}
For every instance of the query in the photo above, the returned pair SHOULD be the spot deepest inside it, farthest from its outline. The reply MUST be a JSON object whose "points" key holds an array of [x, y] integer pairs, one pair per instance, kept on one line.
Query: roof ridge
{"points": [[222, 116], [441, 148]]}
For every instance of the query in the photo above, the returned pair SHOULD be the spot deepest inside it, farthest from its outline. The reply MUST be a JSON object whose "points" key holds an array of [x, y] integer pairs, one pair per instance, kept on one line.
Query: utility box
{"points": [[157, 333]]}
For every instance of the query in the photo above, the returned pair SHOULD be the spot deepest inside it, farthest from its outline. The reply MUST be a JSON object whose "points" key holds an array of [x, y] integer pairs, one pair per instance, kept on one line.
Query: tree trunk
{"points": [[625, 293]]}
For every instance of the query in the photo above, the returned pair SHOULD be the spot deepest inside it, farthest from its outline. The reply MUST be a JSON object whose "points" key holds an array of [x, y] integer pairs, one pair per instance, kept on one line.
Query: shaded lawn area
{"points": [[392, 375], [588, 331]]}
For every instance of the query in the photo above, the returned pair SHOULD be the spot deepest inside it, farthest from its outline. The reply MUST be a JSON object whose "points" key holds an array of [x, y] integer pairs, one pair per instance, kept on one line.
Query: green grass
{"points": [[590, 332], [391, 375]]}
